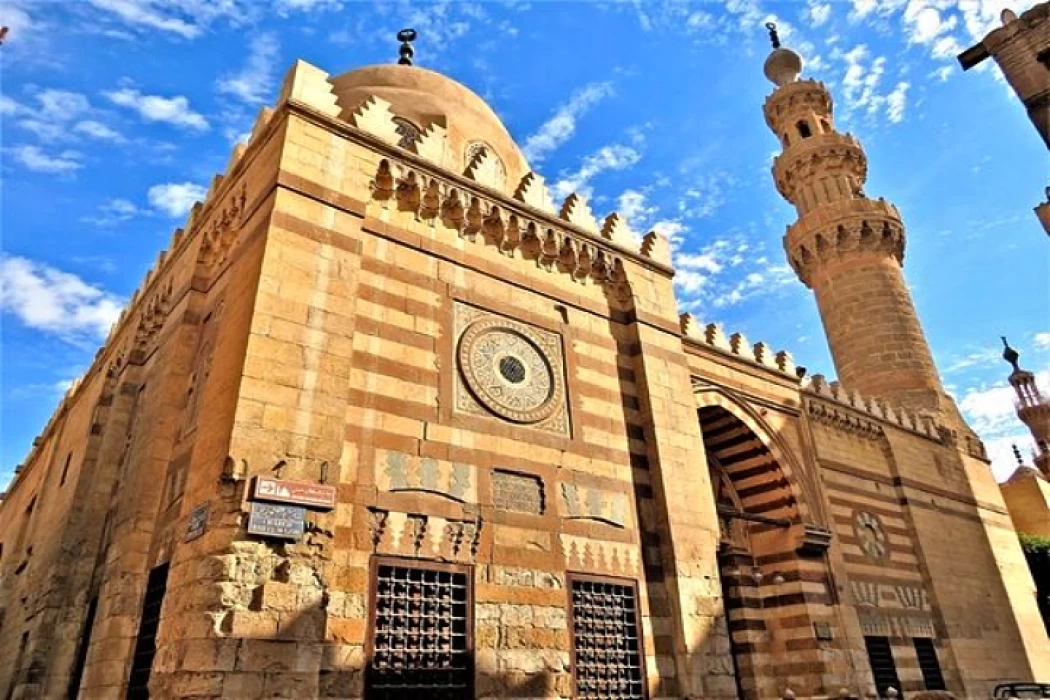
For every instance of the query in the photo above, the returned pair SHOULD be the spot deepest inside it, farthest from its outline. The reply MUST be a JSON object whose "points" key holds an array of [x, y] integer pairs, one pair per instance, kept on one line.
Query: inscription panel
{"points": [[522, 493]]}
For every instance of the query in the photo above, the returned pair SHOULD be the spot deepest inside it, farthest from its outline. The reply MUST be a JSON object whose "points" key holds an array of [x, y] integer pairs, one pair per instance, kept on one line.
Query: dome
{"points": [[783, 66], [419, 98]]}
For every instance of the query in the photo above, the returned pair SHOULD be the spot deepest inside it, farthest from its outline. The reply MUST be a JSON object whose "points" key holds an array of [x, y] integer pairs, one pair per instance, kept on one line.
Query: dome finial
{"points": [[406, 37], [1010, 355], [774, 38], [783, 66]]}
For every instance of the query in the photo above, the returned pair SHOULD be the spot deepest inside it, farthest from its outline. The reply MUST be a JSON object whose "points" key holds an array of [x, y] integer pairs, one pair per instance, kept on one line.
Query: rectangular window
{"points": [[928, 664], [606, 639], [421, 631], [146, 644], [65, 470], [883, 667]]}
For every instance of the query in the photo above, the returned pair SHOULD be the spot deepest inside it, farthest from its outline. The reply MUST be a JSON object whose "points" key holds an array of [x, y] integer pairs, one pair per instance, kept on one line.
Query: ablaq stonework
{"points": [[385, 422]]}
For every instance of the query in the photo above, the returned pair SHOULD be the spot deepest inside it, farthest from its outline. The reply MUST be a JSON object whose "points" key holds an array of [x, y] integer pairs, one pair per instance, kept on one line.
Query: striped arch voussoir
{"points": [[744, 446]]}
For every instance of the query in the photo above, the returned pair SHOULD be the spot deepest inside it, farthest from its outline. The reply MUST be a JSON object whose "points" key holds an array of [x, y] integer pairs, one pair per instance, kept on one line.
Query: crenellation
{"points": [[374, 117], [882, 412], [616, 230], [309, 85], [533, 191], [577, 211], [657, 248]]}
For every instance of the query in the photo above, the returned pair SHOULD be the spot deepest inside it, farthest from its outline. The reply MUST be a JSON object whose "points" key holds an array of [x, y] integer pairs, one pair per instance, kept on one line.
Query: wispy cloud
{"points": [[562, 125], [113, 212], [50, 300], [154, 108], [35, 159], [152, 15], [254, 82], [612, 157]]}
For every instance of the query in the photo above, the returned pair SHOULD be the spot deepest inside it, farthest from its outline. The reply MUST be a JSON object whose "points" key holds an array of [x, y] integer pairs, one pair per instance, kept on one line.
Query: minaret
{"points": [[1032, 408], [847, 248]]}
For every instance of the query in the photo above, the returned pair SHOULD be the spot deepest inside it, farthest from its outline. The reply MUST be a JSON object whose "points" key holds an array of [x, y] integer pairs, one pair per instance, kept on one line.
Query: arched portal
{"points": [[773, 595]]}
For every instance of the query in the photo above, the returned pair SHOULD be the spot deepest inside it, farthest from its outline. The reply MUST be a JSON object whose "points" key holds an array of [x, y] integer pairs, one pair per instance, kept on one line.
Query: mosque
{"points": [[385, 421]]}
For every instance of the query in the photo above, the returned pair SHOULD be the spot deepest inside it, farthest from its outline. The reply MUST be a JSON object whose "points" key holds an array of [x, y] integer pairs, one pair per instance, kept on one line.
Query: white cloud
{"points": [[946, 47], [175, 198], [896, 102], [153, 108], [818, 13], [1042, 340], [255, 81], [47, 299], [560, 127], [61, 105], [612, 157], [113, 212], [943, 73], [633, 206], [97, 130], [925, 23], [33, 158], [146, 13]]}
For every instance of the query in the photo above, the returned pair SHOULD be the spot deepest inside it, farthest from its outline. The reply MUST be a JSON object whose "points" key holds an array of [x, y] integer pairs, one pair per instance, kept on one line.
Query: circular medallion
{"points": [[509, 372], [868, 529]]}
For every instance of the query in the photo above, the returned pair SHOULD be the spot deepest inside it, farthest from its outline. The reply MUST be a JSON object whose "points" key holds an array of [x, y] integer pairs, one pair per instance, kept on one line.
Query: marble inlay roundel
{"points": [[508, 372]]}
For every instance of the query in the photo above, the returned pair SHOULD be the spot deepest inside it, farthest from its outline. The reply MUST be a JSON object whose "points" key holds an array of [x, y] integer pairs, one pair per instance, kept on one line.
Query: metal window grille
{"points": [[883, 667], [932, 677], [146, 644], [606, 640], [420, 635]]}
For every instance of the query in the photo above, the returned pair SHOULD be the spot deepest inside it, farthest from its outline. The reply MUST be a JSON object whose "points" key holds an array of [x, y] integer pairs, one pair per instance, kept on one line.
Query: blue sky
{"points": [[116, 114]]}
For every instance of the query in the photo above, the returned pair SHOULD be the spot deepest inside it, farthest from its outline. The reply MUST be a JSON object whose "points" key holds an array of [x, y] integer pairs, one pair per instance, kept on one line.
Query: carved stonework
{"points": [[600, 556], [522, 493], [408, 133], [868, 528], [424, 536], [475, 215], [398, 471], [219, 237], [509, 370], [583, 503]]}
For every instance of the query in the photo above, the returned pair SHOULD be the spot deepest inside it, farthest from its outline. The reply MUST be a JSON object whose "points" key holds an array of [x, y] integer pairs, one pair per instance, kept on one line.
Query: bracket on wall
{"points": [[814, 540]]}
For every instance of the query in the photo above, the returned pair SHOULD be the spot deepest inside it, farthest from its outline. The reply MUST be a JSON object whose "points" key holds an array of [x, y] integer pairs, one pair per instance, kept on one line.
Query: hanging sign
{"points": [[269, 520], [300, 493], [198, 522]]}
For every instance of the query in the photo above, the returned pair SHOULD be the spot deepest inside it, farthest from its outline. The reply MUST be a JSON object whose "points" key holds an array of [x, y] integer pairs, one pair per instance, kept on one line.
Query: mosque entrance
{"points": [[755, 508]]}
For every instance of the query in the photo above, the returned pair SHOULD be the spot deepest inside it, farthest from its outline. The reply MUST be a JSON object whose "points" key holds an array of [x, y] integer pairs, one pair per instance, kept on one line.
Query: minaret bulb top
{"points": [[783, 66], [1010, 355]]}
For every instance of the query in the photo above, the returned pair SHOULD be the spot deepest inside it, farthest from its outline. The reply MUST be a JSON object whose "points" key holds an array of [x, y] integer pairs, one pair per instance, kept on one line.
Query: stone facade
{"points": [[379, 301]]}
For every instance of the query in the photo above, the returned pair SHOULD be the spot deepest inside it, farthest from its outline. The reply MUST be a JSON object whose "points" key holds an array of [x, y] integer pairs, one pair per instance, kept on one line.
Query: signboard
{"points": [[300, 493], [198, 522], [286, 522]]}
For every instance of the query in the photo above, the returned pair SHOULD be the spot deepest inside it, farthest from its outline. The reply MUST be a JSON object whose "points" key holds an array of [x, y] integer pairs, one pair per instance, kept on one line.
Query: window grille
{"points": [[883, 667], [932, 677], [606, 639], [420, 634], [146, 644]]}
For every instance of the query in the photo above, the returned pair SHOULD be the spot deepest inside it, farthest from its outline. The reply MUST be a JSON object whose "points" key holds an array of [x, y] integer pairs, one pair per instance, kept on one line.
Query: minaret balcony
{"points": [[819, 157], [794, 98]]}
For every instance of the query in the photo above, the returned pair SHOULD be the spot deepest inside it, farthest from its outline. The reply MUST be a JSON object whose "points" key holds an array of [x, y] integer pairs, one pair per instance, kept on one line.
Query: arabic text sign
{"points": [[300, 493], [286, 522]]}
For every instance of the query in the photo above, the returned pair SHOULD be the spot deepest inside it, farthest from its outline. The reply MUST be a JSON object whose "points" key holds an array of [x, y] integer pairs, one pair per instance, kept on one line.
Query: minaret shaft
{"points": [[848, 249]]}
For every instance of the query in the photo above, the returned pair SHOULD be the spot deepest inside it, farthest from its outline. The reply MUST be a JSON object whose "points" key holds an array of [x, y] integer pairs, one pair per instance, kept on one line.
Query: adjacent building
{"points": [[384, 421], [1021, 48]]}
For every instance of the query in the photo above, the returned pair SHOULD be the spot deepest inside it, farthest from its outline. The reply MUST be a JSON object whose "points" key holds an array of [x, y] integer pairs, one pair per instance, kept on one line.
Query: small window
{"points": [[606, 639], [803, 130], [883, 667], [65, 469], [932, 677], [420, 631]]}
